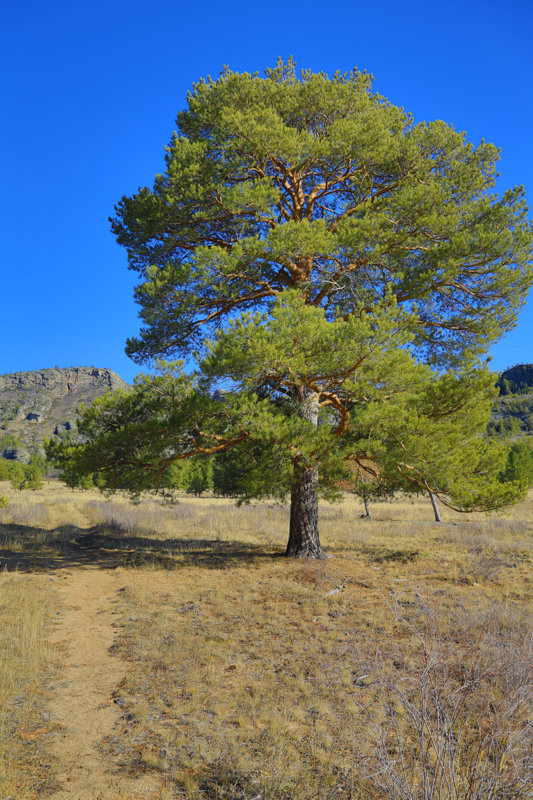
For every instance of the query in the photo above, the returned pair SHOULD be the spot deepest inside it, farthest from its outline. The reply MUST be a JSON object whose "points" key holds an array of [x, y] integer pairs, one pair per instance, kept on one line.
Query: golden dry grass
{"points": [[26, 607], [255, 676]]}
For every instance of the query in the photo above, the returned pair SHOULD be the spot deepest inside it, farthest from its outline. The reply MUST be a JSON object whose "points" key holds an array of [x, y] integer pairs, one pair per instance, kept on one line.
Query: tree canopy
{"points": [[317, 183], [339, 269]]}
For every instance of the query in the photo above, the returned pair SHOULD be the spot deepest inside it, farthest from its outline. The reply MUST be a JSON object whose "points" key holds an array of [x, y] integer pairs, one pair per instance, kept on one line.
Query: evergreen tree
{"points": [[33, 478], [321, 253], [519, 465], [17, 476], [199, 476], [85, 482], [177, 474]]}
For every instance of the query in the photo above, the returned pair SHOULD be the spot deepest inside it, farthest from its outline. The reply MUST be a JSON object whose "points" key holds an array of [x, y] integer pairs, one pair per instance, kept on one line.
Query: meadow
{"points": [[400, 668]]}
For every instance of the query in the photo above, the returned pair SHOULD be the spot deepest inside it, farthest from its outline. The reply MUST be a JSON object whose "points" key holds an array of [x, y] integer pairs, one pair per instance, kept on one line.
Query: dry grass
{"points": [[26, 606], [252, 676], [277, 681]]}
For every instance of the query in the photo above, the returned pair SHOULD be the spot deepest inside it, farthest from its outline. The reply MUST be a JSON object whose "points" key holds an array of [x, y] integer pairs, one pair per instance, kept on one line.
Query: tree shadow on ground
{"points": [[24, 548]]}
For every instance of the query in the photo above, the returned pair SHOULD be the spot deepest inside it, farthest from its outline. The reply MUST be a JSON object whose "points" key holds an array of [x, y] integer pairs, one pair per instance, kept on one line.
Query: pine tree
{"points": [[33, 478], [17, 476], [321, 254], [199, 476], [519, 465]]}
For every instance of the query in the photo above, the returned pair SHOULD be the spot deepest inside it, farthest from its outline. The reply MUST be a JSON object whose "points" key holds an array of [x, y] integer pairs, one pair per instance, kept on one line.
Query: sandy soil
{"points": [[83, 706]]}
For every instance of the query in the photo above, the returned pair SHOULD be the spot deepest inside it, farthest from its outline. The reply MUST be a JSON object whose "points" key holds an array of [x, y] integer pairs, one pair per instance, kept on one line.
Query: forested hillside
{"points": [[513, 409]]}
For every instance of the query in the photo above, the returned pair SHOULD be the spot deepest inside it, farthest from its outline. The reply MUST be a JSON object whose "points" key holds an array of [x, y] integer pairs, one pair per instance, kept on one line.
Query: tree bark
{"points": [[304, 541], [435, 507], [366, 515]]}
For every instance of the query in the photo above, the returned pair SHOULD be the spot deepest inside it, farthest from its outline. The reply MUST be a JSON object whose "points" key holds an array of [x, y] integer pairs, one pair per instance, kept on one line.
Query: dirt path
{"points": [[83, 706]]}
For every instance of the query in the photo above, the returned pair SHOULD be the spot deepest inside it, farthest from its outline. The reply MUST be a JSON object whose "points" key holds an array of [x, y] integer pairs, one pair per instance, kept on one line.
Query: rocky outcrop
{"points": [[43, 402]]}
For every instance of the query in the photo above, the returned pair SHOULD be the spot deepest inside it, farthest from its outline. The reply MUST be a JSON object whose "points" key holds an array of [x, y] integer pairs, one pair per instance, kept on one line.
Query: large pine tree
{"points": [[330, 260]]}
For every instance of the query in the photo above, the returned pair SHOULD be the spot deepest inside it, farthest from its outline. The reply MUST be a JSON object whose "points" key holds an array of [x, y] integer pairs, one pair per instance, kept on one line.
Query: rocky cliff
{"points": [[43, 403]]}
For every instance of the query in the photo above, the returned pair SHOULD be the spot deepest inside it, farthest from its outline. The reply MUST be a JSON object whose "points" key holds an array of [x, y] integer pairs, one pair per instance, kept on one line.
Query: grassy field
{"points": [[398, 669]]}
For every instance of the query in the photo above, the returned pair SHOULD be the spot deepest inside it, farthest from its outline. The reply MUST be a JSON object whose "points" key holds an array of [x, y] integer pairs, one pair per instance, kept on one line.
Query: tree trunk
{"points": [[435, 507], [366, 515], [304, 541]]}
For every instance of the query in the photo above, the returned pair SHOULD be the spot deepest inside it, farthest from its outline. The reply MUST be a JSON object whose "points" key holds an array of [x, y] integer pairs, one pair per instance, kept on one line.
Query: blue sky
{"points": [[90, 93]]}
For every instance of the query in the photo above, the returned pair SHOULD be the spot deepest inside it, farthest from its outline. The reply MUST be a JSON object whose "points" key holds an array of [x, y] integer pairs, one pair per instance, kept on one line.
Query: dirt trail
{"points": [[83, 706]]}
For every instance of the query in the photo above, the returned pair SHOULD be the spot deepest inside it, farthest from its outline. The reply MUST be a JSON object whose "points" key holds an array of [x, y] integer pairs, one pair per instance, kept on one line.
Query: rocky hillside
{"points": [[43, 403]]}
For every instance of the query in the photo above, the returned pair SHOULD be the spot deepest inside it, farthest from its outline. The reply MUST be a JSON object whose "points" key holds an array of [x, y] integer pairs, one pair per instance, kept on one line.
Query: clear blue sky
{"points": [[90, 92]]}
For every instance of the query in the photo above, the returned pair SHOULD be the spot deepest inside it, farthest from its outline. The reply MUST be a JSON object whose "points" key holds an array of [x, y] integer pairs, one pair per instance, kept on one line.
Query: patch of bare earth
{"points": [[83, 707]]}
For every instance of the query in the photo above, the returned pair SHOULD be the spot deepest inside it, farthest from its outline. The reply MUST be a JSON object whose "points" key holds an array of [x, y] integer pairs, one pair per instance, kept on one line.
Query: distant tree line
{"points": [[227, 475], [219, 475]]}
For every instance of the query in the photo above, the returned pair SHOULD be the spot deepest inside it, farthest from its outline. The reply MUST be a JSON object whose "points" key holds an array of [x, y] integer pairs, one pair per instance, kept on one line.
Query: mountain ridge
{"points": [[39, 403]]}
